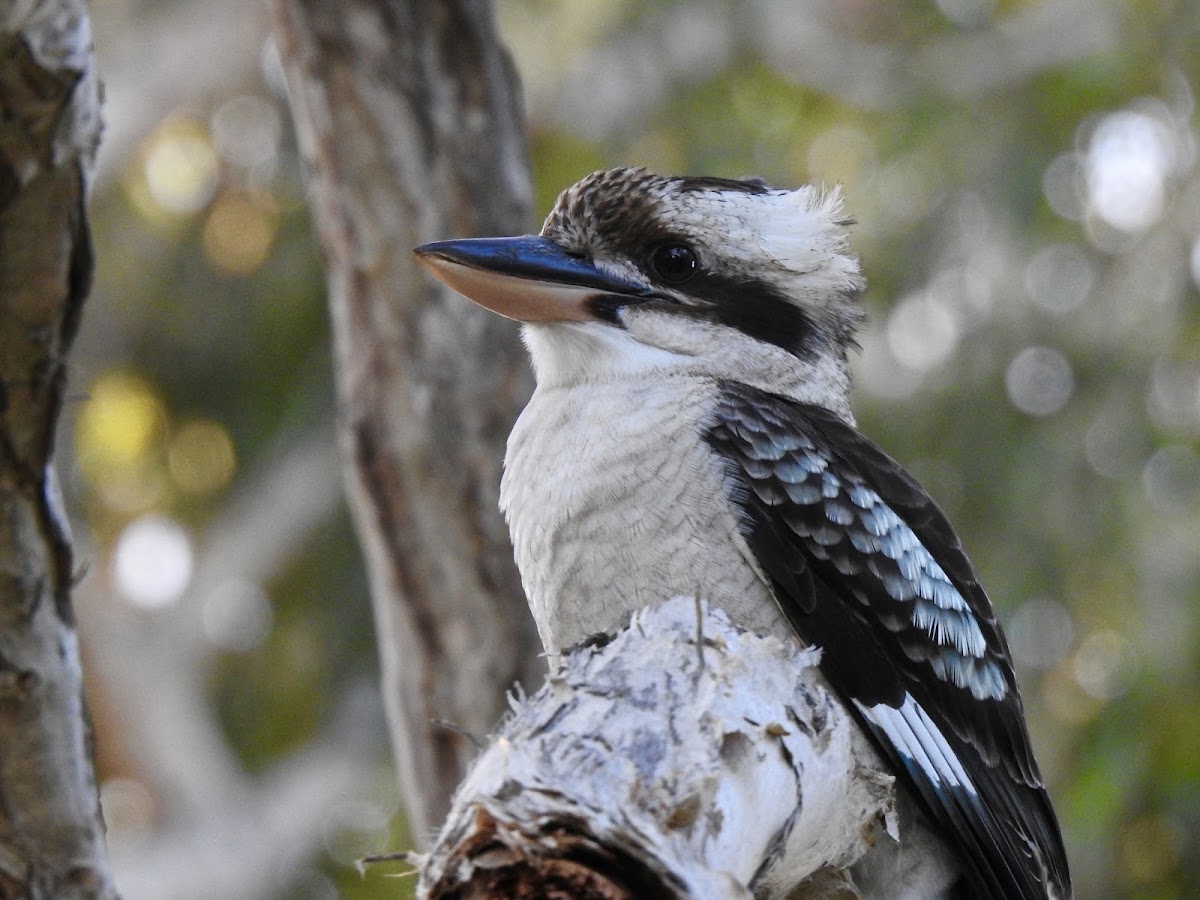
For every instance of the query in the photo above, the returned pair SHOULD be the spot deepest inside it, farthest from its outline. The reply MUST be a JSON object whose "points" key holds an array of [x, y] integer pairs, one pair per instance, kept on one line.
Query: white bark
{"points": [[686, 757]]}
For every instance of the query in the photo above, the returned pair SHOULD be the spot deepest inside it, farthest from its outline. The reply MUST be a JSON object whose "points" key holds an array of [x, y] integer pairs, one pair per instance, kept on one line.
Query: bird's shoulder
{"points": [[830, 513]]}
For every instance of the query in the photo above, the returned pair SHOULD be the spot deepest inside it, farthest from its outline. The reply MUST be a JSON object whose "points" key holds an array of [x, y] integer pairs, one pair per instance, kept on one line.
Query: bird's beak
{"points": [[530, 279]]}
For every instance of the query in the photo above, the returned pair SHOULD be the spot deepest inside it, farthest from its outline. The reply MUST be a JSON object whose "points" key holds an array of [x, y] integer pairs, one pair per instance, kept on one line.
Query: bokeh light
{"points": [[118, 431], [1114, 445], [1062, 185], [1059, 278], [1174, 402], [180, 166], [1130, 158], [246, 131], [967, 13], [1172, 478], [201, 457], [878, 372], [1039, 381], [152, 561], [1040, 633], [239, 232], [119, 422], [922, 331], [1069, 703], [1101, 664]]}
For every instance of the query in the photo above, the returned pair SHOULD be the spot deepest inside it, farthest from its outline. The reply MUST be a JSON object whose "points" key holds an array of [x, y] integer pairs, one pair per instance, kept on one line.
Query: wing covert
{"points": [[864, 564]]}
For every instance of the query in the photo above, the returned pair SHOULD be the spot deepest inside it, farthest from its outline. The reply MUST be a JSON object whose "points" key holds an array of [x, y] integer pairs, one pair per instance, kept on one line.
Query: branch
{"points": [[685, 758], [51, 831], [408, 117]]}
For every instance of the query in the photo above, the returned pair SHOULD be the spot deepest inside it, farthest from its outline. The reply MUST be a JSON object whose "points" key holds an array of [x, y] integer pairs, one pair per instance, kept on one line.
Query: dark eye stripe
{"points": [[754, 308]]}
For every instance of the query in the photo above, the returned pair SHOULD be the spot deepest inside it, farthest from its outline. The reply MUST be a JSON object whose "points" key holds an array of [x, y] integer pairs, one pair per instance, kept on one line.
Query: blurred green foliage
{"points": [[1025, 184]]}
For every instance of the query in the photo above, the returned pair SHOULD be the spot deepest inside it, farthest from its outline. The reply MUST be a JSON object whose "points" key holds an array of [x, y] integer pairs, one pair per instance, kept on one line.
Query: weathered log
{"points": [[686, 757]]}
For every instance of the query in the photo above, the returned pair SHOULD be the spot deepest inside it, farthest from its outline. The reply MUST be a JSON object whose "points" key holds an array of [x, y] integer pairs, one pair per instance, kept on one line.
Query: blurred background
{"points": [[1024, 177]]}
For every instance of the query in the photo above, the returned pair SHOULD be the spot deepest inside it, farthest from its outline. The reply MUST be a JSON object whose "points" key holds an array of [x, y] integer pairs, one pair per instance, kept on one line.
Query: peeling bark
{"points": [[684, 758], [408, 114], [51, 830]]}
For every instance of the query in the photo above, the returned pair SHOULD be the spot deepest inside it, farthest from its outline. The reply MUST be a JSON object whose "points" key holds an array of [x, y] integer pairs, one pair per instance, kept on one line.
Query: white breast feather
{"points": [[615, 502]]}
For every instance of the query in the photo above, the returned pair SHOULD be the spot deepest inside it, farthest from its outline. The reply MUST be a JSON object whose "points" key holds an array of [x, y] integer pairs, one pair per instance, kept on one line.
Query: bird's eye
{"points": [[674, 263]]}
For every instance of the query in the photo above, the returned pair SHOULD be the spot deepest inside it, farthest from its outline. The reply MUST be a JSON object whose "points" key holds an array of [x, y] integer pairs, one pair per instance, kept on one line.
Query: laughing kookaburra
{"points": [[691, 432]]}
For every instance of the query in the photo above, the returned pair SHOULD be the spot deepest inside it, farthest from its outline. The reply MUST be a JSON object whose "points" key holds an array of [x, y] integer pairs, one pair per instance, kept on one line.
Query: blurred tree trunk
{"points": [[51, 830], [409, 117]]}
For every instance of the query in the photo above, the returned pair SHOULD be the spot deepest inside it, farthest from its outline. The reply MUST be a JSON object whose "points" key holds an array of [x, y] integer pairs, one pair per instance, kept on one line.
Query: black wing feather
{"points": [[855, 549]]}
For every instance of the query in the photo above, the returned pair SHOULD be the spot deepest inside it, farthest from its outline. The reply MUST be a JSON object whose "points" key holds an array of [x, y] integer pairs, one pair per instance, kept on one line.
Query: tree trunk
{"points": [[409, 118], [51, 830]]}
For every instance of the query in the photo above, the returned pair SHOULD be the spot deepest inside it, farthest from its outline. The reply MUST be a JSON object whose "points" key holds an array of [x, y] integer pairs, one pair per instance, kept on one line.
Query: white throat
{"points": [[574, 354]]}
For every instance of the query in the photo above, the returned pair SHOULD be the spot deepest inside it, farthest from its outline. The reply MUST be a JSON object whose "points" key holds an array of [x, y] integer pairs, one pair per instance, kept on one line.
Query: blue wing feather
{"points": [[865, 565]]}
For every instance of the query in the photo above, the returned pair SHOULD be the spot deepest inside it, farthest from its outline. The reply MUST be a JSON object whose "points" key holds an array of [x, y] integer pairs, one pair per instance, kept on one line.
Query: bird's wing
{"points": [[866, 566]]}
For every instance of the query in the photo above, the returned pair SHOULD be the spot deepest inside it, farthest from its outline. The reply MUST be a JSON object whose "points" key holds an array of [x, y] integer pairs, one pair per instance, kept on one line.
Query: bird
{"points": [[691, 429]]}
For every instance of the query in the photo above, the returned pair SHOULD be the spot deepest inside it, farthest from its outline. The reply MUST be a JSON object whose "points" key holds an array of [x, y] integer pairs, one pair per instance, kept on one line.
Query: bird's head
{"points": [[638, 274]]}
